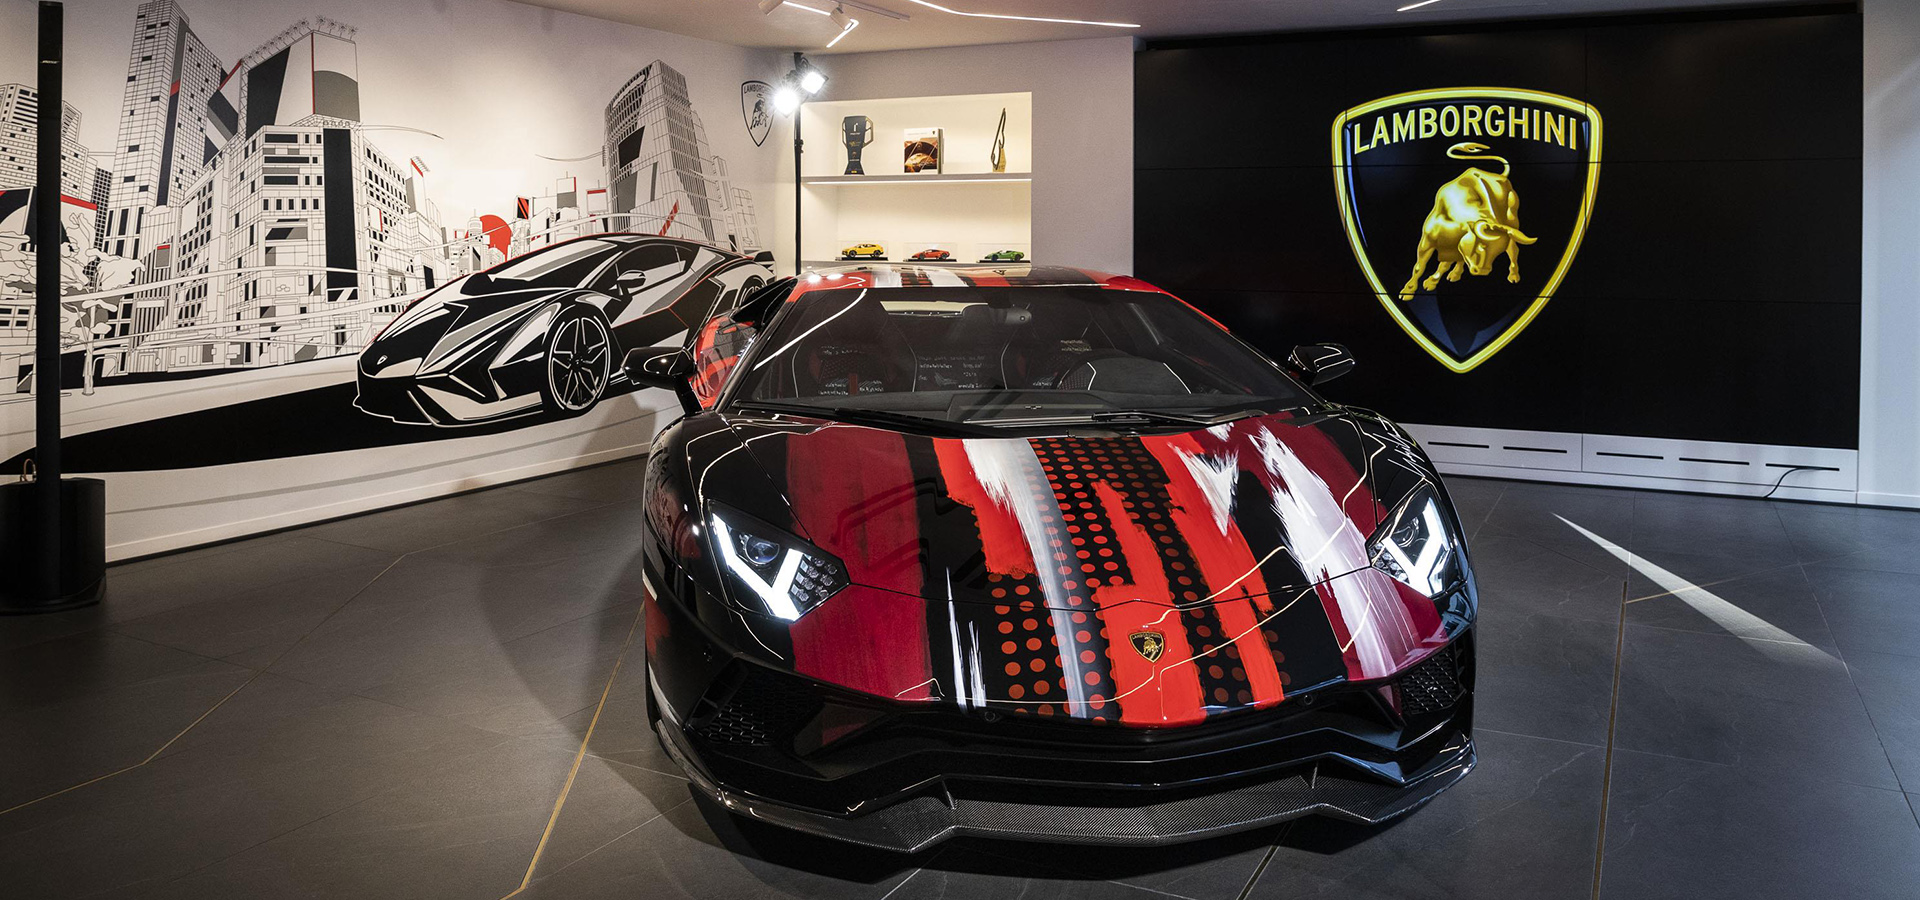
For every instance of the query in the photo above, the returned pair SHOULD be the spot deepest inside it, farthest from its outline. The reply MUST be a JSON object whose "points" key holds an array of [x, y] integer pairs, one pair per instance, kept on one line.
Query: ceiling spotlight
{"points": [[844, 31], [975, 15], [839, 17], [786, 99], [768, 6]]}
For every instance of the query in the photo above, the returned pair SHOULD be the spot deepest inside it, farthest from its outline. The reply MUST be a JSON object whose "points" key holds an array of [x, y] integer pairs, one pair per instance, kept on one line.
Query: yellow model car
{"points": [[864, 251]]}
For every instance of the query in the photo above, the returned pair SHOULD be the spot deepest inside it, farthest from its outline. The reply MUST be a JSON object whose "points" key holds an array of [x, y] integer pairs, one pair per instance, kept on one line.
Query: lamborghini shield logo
{"points": [[1149, 644], [1430, 184]]}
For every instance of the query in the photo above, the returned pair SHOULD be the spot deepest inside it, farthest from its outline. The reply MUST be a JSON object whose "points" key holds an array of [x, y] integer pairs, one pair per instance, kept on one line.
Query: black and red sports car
{"points": [[1046, 556]]}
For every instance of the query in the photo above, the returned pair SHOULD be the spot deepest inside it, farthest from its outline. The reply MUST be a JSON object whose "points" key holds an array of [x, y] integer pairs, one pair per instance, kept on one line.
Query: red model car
{"points": [[1047, 557], [933, 255]]}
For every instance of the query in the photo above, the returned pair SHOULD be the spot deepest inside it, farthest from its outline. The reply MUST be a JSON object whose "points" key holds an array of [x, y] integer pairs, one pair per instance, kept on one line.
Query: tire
{"points": [[579, 362]]}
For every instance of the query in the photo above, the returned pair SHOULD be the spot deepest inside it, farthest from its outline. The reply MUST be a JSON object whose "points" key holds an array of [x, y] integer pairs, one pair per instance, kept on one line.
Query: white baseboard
{"points": [[1903, 501], [1818, 474], [226, 531]]}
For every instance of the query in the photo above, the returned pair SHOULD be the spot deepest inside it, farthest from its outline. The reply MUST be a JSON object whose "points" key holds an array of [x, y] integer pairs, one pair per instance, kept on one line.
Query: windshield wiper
{"points": [[1148, 415], [856, 415]]}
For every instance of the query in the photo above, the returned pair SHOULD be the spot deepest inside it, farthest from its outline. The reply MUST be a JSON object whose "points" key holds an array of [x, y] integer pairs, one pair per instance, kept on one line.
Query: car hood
{"points": [[1196, 572]]}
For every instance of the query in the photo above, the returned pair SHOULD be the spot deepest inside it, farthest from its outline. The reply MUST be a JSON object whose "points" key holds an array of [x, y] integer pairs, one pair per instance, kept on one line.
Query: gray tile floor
{"points": [[1680, 696]]}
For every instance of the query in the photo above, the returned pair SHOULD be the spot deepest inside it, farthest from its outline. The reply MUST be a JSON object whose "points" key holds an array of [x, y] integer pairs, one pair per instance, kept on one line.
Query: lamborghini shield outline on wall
{"points": [[1470, 266]]}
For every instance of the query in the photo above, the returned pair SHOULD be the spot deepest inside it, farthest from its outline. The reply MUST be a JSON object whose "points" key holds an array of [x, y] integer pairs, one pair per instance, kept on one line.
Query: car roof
{"points": [[891, 275]]}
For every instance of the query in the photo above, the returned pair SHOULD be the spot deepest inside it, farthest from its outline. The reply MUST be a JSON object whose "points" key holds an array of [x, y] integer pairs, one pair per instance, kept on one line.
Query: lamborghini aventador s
{"points": [[1042, 554], [546, 331]]}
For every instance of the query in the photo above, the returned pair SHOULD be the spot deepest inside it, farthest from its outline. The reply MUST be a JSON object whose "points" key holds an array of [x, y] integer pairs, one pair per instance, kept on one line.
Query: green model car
{"points": [[1004, 256]]}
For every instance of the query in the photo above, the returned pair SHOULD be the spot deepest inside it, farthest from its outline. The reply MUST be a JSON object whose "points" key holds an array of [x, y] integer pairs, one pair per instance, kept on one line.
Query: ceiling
{"points": [[741, 22]]}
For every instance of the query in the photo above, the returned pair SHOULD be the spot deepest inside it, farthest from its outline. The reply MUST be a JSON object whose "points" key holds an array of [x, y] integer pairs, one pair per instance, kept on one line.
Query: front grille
{"points": [[1432, 686], [757, 708]]}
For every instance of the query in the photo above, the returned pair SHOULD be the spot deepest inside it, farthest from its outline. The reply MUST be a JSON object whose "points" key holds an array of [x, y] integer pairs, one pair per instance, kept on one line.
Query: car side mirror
{"points": [[1318, 364], [764, 257], [632, 279], [664, 367]]}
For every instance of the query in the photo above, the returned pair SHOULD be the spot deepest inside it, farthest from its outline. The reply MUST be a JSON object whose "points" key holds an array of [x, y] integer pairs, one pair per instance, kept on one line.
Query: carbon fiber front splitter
{"points": [[917, 823]]}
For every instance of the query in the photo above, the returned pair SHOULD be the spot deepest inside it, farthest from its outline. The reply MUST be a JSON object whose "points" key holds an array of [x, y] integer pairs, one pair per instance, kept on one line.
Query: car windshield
{"points": [[563, 264], [981, 357]]}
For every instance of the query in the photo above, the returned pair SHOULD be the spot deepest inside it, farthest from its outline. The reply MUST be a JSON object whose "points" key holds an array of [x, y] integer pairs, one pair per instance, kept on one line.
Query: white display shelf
{"points": [[903, 179], [966, 208]]}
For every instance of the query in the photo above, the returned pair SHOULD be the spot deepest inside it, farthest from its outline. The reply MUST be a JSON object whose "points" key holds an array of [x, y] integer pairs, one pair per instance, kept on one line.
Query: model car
{"points": [[931, 255], [1050, 558], [863, 251], [546, 331], [1004, 256]]}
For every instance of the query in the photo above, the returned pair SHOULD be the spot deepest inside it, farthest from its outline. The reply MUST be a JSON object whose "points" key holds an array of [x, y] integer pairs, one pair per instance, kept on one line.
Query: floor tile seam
{"points": [[1723, 633], [1613, 721], [657, 816], [1855, 682], [1702, 585], [678, 776], [1536, 737], [268, 587], [269, 839], [1743, 766], [115, 631], [1273, 849], [251, 678], [622, 593], [593, 505], [903, 882], [566, 790]]}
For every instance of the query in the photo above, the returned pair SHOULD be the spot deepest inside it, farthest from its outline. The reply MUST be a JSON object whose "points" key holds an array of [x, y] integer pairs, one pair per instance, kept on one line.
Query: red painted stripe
{"points": [[852, 491], [1165, 691], [867, 640], [1228, 566], [1001, 538]]}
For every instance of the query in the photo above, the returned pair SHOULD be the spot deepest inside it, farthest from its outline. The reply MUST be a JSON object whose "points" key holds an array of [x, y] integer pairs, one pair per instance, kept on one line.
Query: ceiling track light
{"points": [[974, 15]]}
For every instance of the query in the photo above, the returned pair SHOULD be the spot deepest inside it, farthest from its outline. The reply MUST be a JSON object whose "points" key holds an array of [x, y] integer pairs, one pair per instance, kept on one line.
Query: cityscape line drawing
{"points": [[247, 217]]}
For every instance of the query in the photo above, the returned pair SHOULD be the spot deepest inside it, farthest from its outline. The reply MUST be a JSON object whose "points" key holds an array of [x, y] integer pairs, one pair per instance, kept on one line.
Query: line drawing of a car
{"points": [[546, 332]]}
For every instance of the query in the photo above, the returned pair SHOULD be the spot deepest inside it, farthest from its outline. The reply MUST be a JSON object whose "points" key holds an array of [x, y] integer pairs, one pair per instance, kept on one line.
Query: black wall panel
{"points": [[1715, 293]]}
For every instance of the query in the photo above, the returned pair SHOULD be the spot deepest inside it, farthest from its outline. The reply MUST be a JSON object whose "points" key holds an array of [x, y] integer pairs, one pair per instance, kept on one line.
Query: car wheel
{"points": [[579, 362]]}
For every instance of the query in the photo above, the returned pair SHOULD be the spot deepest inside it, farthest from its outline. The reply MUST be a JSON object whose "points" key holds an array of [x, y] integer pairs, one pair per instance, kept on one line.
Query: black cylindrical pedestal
{"points": [[81, 546]]}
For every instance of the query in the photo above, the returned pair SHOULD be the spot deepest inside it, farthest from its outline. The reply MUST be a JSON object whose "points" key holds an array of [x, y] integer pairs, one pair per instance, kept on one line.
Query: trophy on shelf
{"points": [[999, 155], [856, 132]]}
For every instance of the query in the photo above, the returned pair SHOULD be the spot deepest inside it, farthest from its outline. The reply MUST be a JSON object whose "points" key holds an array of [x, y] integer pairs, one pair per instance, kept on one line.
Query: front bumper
{"points": [[773, 746], [922, 821]]}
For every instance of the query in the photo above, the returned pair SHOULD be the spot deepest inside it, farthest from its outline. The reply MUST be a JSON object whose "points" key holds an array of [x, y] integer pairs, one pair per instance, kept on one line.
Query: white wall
{"points": [[1082, 131], [1890, 282]]}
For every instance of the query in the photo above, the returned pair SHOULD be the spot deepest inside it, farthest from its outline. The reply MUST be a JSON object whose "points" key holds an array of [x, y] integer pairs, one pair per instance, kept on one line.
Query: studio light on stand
{"points": [[800, 84], [52, 529]]}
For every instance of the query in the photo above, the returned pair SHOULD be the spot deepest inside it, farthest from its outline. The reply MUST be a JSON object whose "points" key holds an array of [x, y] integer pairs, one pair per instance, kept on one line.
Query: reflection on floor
{"points": [[1679, 697]]}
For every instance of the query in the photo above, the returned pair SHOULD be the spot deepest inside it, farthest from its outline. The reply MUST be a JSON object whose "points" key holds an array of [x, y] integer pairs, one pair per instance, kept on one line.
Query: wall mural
{"points": [[259, 269]]}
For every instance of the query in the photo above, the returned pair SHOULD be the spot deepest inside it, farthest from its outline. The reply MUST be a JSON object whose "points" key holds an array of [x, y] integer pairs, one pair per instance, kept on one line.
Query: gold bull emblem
{"points": [[1475, 218]]}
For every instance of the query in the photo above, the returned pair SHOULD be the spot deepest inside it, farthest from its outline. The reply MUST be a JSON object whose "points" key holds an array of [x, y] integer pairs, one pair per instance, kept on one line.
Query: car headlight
{"points": [[1417, 546], [769, 571]]}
